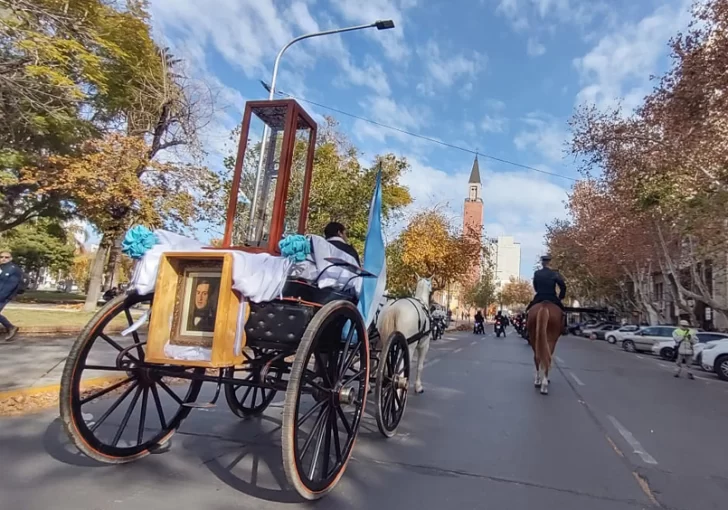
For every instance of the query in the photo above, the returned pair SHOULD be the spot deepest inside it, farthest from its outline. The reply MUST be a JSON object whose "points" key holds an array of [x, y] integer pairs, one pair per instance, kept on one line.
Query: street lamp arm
{"points": [[381, 25]]}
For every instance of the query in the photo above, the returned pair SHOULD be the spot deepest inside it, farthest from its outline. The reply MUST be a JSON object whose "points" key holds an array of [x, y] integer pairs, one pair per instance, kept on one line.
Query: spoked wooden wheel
{"points": [[249, 401], [392, 383], [325, 399], [107, 391]]}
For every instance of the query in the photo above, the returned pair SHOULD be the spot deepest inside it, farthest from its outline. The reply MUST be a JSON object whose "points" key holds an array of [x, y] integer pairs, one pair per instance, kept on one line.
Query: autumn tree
{"points": [[432, 247], [114, 183], [68, 69], [516, 292], [660, 182]]}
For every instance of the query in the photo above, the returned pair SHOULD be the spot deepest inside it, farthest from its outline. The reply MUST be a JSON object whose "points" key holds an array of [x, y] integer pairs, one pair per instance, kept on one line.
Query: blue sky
{"points": [[499, 76]]}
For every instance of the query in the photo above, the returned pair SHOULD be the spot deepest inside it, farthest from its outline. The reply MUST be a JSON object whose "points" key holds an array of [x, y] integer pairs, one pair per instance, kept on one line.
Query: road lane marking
{"points": [[636, 446], [432, 362], [614, 447], [473, 342], [558, 359], [457, 350], [640, 357], [646, 488], [578, 381]]}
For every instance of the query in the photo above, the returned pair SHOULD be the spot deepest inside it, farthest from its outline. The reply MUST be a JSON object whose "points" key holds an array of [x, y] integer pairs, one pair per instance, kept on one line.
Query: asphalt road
{"points": [[616, 432]]}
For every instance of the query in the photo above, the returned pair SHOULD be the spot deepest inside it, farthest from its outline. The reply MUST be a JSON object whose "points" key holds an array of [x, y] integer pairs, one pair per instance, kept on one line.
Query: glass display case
{"points": [[272, 177]]}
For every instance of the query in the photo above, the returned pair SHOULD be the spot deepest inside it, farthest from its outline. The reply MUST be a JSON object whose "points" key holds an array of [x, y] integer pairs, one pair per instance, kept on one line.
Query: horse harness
{"points": [[424, 324]]}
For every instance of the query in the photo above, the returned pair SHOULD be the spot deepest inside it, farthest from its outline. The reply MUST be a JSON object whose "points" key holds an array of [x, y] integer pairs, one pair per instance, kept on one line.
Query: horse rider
{"points": [[545, 281], [335, 233], [684, 338]]}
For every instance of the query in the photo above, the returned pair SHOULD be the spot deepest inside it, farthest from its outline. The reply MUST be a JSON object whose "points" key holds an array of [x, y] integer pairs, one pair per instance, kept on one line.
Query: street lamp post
{"points": [[379, 25]]}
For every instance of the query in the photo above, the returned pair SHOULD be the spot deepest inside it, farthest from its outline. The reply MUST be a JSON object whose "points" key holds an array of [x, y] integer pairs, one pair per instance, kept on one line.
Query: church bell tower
{"points": [[473, 209]]}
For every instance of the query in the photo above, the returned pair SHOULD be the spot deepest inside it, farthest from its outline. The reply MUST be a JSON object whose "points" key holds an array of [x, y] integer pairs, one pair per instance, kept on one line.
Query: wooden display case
{"points": [[195, 306]]}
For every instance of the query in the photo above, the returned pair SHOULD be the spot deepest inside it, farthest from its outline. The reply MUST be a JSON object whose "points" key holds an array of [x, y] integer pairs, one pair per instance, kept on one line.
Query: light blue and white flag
{"points": [[375, 260]]}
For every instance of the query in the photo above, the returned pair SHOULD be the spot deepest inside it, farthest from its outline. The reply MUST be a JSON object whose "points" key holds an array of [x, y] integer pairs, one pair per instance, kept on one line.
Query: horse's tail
{"points": [[387, 322], [542, 340]]}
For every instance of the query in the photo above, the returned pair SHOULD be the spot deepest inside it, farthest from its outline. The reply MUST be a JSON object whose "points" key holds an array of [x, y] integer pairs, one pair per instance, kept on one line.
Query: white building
{"points": [[505, 258]]}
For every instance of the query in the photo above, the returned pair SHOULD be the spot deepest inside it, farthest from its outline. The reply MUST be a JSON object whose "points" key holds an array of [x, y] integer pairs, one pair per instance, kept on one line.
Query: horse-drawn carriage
{"points": [[249, 321]]}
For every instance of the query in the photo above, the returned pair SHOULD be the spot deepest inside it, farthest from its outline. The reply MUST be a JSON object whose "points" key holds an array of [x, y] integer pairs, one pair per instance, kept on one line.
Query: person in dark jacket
{"points": [[10, 281], [545, 281], [335, 233]]}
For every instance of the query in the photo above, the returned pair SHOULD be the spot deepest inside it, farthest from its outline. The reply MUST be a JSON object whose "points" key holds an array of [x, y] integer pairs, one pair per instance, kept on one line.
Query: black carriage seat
{"points": [[283, 321], [305, 290]]}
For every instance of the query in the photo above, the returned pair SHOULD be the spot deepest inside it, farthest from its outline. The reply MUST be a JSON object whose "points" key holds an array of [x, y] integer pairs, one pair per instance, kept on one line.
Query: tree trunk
{"points": [[96, 277], [113, 263]]}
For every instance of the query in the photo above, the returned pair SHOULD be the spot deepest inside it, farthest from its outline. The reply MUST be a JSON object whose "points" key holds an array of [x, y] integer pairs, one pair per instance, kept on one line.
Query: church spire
{"points": [[474, 186], [475, 172]]}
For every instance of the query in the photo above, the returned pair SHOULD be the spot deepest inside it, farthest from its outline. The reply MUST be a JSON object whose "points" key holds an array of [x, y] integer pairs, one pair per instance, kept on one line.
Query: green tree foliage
{"points": [[482, 293], [41, 244], [71, 70]]}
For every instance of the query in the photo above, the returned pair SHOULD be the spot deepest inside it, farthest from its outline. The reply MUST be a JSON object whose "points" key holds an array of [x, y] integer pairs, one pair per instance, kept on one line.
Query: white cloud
{"points": [[249, 33], [542, 133], [363, 12], [518, 204], [388, 111], [493, 124], [533, 14], [620, 64], [535, 48], [445, 69], [466, 90]]}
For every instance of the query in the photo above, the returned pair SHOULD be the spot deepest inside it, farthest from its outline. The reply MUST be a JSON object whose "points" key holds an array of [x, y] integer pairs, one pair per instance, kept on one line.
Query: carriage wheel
{"points": [[392, 383], [325, 399], [249, 401], [105, 393]]}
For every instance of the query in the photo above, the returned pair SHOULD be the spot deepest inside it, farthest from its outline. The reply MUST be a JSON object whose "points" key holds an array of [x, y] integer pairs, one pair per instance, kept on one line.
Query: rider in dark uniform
{"points": [[545, 281]]}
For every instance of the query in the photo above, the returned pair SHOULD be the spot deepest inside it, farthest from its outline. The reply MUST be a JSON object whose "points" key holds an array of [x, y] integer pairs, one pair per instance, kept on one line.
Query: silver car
{"points": [[644, 339]]}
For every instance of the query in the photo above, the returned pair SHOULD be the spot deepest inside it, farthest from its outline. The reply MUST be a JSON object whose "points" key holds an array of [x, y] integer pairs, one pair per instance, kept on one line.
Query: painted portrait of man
{"points": [[202, 308]]}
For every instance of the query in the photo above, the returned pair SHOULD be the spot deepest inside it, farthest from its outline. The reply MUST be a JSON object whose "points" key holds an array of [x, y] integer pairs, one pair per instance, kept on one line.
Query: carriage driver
{"points": [[335, 233], [545, 281]]}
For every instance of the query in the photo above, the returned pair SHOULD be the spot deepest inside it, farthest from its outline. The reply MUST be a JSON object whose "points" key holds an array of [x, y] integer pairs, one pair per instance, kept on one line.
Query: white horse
{"points": [[410, 317]]}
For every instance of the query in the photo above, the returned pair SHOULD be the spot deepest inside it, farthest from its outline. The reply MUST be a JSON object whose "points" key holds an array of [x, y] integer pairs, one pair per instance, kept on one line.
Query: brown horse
{"points": [[544, 330]]}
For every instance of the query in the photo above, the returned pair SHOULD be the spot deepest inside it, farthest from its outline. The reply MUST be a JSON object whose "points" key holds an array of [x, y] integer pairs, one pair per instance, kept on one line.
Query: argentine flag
{"points": [[374, 258]]}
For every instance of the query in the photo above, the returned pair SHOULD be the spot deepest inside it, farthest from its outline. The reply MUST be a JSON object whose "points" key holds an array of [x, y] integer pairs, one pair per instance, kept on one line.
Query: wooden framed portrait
{"points": [[196, 303], [195, 306]]}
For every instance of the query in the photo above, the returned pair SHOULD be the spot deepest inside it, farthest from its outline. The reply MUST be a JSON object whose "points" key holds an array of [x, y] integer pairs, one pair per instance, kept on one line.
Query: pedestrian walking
{"points": [[10, 281], [685, 339]]}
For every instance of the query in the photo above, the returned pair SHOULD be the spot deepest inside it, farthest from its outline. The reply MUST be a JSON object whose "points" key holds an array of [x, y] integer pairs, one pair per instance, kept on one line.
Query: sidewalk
{"points": [[33, 363]]}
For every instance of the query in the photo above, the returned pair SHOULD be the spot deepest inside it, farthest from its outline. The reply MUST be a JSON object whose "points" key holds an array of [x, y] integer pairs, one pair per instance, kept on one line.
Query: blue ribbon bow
{"points": [[296, 247], [137, 241]]}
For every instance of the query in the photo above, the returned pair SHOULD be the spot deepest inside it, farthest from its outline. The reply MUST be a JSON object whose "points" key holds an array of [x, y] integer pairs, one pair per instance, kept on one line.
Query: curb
{"points": [[54, 388], [41, 331]]}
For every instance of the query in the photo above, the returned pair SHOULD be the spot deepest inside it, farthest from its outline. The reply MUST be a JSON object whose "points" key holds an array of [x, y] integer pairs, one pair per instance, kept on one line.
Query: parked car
{"points": [[577, 328], [645, 338], [601, 332], [618, 335], [715, 359], [666, 348], [588, 329]]}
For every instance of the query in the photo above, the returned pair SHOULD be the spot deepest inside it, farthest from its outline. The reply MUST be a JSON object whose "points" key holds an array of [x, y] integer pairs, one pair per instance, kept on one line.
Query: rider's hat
{"points": [[545, 258]]}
